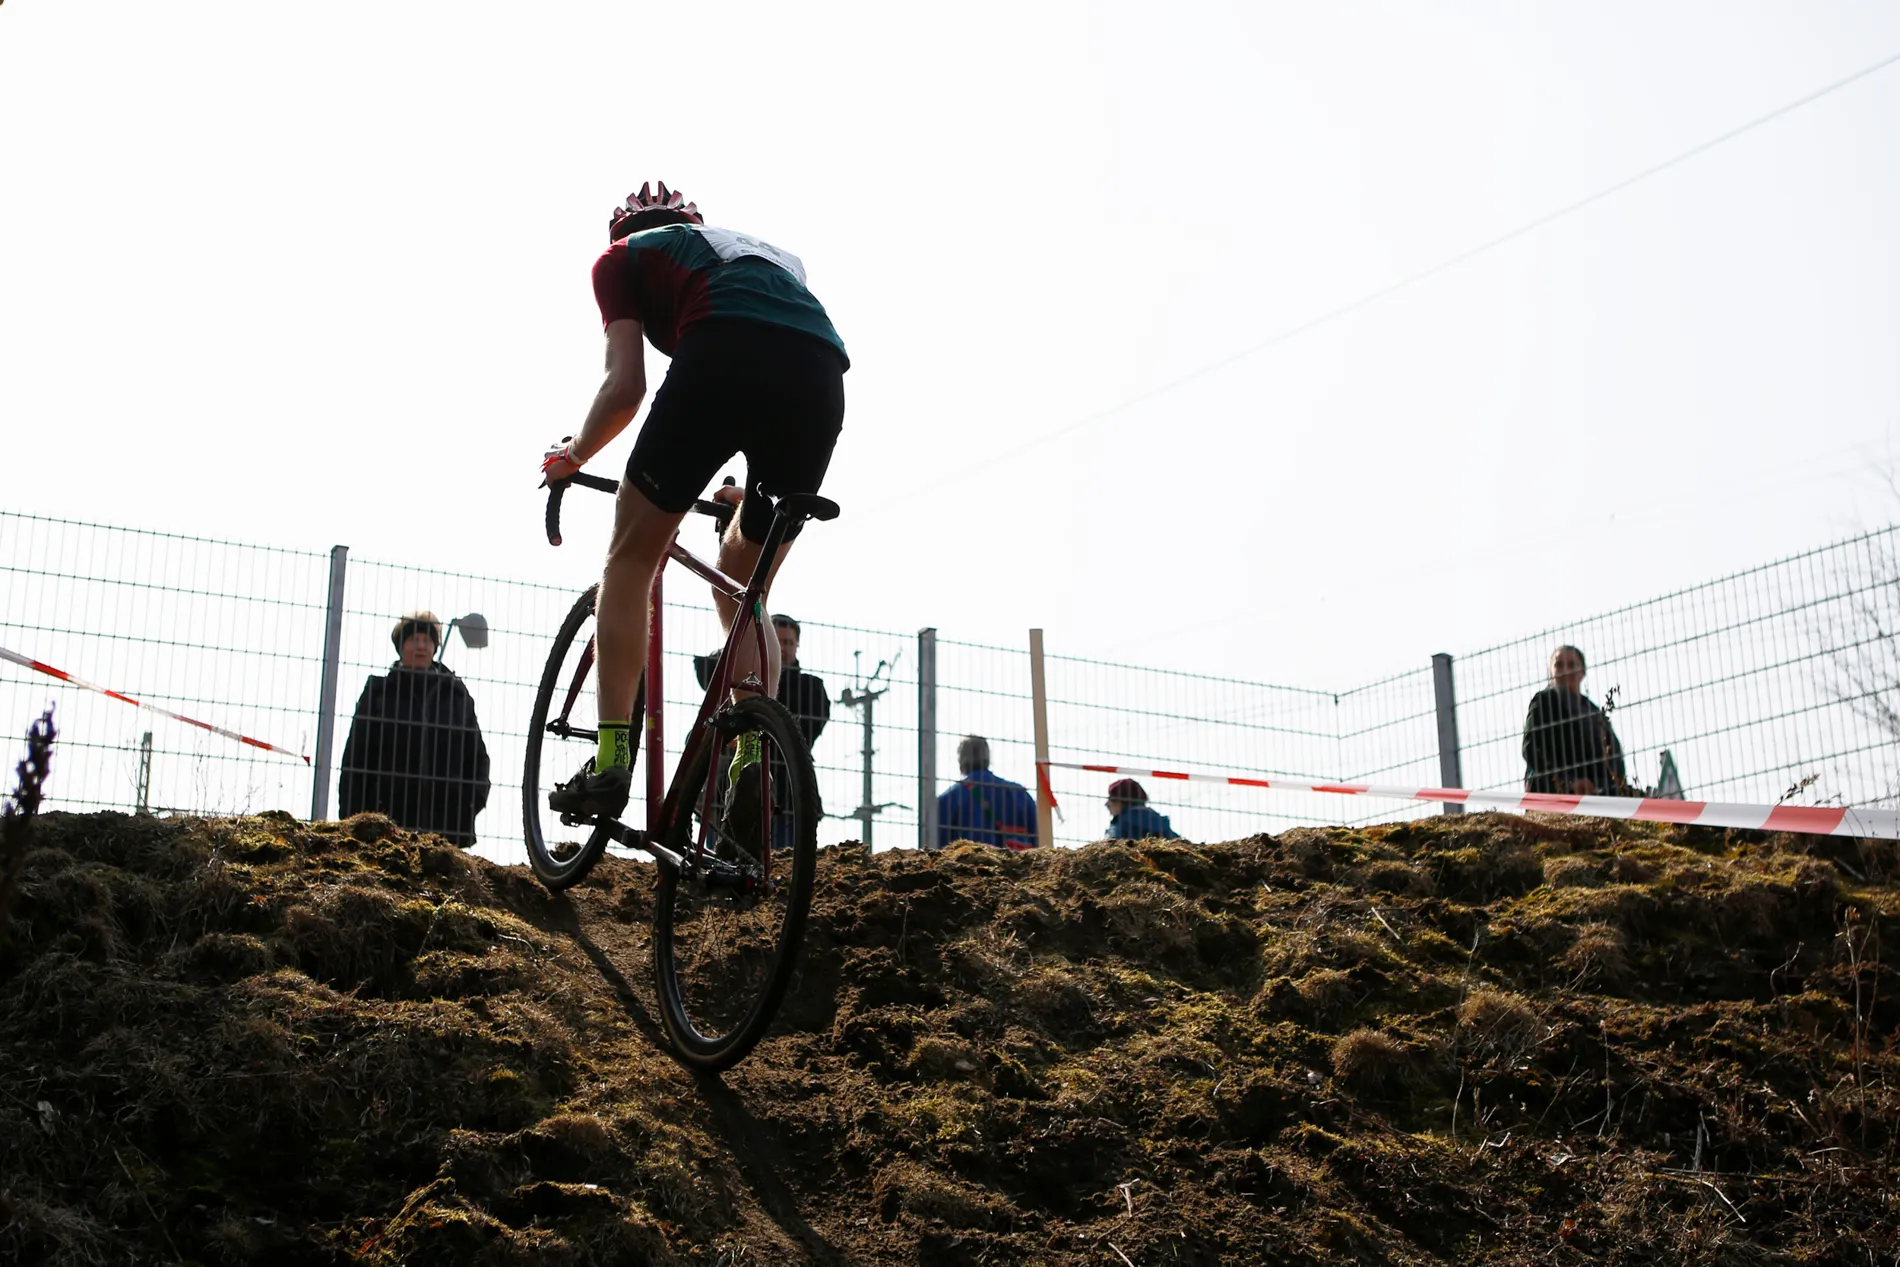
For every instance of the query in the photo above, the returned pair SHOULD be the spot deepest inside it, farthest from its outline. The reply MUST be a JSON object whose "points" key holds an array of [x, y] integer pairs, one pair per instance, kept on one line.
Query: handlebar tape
{"points": [[720, 512], [556, 491]]}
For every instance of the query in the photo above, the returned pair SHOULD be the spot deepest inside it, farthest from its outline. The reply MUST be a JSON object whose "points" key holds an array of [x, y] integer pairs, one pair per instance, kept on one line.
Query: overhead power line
{"points": [[1415, 278]]}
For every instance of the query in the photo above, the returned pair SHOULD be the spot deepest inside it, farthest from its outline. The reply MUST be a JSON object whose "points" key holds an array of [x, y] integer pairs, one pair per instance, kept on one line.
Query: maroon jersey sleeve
{"points": [[613, 289]]}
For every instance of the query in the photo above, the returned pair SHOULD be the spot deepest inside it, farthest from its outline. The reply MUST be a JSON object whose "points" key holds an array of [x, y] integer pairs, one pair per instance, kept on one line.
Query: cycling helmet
{"points": [[637, 204]]}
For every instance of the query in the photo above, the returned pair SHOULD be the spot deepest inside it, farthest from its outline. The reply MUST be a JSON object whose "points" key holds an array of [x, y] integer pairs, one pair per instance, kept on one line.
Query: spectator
{"points": [[803, 695], [983, 807], [1569, 747], [801, 692], [415, 750], [1129, 816]]}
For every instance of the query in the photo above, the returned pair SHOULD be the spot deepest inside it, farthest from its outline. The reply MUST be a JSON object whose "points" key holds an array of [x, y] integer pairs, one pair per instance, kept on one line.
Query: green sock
{"points": [[746, 751], [616, 746]]}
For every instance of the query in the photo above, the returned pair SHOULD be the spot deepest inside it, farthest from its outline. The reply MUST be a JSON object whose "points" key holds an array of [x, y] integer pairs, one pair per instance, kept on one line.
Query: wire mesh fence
{"points": [[1782, 682], [1776, 683], [217, 630], [1115, 714]]}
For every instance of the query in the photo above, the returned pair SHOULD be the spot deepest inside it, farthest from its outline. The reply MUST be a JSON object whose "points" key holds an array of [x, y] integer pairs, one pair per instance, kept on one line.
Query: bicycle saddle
{"points": [[807, 506]]}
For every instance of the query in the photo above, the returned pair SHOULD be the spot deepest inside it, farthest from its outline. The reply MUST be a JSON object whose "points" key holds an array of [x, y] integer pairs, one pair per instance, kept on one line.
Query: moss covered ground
{"points": [[1478, 1038]]}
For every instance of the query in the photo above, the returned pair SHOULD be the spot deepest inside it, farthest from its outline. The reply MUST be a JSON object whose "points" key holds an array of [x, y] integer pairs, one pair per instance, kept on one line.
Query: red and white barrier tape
{"points": [[62, 675], [1818, 820]]}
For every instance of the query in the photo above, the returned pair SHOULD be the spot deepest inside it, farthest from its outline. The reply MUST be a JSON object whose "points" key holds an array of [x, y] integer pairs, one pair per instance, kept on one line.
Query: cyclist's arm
{"points": [[621, 392]]}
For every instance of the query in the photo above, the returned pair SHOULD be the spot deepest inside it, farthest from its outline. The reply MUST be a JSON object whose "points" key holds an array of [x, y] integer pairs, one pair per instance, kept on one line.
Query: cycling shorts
{"points": [[770, 392]]}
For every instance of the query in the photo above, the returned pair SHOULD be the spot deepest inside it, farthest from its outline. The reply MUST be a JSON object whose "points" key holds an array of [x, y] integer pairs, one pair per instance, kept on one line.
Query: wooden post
{"points": [[1045, 812]]}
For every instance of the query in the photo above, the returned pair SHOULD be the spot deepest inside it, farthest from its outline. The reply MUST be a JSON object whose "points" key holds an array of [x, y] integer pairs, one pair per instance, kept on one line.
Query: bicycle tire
{"points": [[560, 873], [790, 899]]}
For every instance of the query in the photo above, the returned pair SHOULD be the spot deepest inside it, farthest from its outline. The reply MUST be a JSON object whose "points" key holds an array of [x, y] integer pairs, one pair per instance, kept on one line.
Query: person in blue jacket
{"points": [[983, 807], [1129, 815]]}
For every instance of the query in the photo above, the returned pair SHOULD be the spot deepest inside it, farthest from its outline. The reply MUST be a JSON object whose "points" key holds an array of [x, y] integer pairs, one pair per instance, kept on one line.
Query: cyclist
{"points": [[757, 368]]}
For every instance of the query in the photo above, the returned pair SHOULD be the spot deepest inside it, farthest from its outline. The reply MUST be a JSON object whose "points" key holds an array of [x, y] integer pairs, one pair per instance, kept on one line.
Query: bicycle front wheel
{"points": [[728, 928], [560, 738]]}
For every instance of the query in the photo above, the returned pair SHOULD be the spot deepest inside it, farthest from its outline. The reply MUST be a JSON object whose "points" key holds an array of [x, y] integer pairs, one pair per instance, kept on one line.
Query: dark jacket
{"points": [[1567, 737], [802, 693], [988, 810], [1141, 822], [415, 753]]}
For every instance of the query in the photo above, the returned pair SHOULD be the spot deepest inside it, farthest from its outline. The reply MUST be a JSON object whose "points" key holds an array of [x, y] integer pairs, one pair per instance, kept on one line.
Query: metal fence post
{"points": [[326, 693], [926, 738], [1450, 767], [1039, 698]]}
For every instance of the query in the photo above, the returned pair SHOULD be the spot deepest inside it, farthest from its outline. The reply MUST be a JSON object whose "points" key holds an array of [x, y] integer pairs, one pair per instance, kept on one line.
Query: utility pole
{"points": [[860, 695], [145, 774]]}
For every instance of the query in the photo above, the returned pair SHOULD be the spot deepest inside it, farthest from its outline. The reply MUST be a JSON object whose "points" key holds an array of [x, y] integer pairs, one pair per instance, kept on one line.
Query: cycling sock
{"points": [[616, 746], [745, 752]]}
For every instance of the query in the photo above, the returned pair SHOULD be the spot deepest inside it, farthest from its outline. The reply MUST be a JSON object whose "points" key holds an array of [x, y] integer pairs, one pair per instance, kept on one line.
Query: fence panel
{"points": [[1778, 682], [1388, 733], [1118, 714], [1781, 682], [228, 633]]}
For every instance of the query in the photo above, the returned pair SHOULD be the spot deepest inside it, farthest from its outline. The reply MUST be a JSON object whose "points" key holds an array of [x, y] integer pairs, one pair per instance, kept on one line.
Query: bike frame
{"points": [[664, 805]]}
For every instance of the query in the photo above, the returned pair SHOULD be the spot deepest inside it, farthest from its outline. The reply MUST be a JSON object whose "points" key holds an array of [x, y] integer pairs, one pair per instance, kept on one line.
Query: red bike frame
{"points": [[663, 804], [663, 807]]}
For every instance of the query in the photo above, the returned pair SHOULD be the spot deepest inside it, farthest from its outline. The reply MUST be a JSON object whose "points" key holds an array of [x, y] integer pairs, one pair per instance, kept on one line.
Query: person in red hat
{"points": [[1129, 815]]}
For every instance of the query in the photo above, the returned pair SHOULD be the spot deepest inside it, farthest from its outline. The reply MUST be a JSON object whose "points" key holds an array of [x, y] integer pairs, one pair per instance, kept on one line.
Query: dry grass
{"points": [[1499, 1025], [1600, 954], [1467, 1039], [1571, 872], [1373, 1059], [1326, 992]]}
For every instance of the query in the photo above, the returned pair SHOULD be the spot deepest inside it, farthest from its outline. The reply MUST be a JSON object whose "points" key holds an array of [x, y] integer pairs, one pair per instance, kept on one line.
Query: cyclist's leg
{"points": [[738, 555], [678, 451], [642, 534]]}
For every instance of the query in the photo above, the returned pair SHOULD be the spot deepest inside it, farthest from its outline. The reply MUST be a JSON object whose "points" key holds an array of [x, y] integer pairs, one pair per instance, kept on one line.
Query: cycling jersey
{"points": [[678, 275]]}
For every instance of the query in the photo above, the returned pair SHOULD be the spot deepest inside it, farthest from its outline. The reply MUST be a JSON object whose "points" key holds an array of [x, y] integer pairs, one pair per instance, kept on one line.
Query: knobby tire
{"points": [[559, 873], [745, 1021]]}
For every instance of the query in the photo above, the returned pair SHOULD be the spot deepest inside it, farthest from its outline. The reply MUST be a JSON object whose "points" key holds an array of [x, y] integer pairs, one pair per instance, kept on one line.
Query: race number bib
{"points": [[730, 246]]}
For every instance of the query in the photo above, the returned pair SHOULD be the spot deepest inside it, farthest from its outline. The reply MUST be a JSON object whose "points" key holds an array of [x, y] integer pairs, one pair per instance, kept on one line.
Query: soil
{"points": [[1472, 1038]]}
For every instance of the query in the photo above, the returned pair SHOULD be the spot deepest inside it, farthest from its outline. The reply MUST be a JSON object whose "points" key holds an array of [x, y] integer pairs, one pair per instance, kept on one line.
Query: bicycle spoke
{"points": [[727, 928], [561, 853]]}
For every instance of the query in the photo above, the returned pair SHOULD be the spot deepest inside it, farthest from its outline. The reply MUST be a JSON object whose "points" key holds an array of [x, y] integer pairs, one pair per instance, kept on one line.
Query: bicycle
{"points": [[729, 910]]}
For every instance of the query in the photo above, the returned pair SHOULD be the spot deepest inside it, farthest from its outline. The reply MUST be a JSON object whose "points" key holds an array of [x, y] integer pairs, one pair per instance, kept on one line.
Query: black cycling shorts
{"points": [[771, 393]]}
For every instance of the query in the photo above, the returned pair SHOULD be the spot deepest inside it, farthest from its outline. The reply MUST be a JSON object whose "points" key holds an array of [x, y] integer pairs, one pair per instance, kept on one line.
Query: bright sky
{"points": [[314, 274]]}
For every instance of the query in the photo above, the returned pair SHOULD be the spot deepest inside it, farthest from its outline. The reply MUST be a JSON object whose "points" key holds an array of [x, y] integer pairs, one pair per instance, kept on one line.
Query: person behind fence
{"points": [[1131, 818], [983, 807], [415, 750], [804, 697], [1569, 746]]}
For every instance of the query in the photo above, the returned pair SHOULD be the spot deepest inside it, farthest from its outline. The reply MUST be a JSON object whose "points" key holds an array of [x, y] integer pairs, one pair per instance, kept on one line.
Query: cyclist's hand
{"points": [[560, 462], [730, 494]]}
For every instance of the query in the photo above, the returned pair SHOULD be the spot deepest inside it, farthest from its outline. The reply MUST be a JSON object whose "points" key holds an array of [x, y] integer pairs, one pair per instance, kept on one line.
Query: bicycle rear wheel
{"points": [[562, 853], [727, 932]]}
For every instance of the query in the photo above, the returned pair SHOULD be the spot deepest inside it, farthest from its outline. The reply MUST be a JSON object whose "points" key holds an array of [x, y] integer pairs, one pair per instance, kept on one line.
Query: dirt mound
{"points": [[1475, 1038]]}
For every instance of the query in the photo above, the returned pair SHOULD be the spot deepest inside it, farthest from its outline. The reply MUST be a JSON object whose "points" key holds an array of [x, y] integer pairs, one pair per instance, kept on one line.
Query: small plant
{"points": [[16, 820]]}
